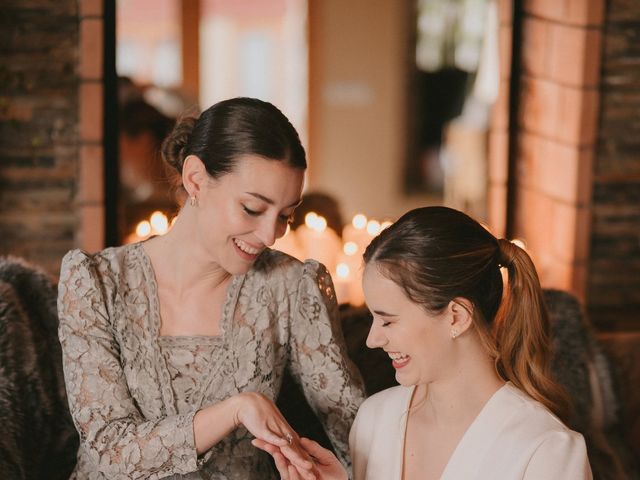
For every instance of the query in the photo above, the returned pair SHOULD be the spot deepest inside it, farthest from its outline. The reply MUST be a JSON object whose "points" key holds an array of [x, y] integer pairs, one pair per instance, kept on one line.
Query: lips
{"points": [[245, 250], [398, 360]]}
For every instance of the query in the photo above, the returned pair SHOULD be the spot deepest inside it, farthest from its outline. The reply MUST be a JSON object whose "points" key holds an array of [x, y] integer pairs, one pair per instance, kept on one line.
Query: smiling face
{"points": [[419, 344], [243, 212]]}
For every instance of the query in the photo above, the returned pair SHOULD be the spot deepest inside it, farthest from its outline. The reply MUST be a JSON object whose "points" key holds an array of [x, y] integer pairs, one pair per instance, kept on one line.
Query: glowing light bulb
{"points": [[359, 221], [310, 218], [321, 224], [159, 222], [350, 248], [373, 227], [315, 222], [342, 270], [143, 229]]}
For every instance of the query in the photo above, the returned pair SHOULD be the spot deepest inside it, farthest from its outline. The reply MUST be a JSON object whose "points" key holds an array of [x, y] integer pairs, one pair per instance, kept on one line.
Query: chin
{"points": [[406, 380]]}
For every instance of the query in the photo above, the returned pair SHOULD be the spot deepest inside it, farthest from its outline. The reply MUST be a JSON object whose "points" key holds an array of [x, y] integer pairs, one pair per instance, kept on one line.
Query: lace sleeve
{"points": [[119, 441], [330, 381]]}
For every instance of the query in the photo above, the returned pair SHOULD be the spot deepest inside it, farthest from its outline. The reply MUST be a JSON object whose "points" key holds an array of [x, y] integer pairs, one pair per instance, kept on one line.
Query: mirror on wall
{"points": [[175, 57], [454, 80]]}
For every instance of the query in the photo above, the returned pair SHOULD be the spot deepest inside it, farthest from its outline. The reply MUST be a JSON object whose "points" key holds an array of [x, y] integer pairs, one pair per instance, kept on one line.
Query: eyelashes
{"points": [[281, 218], [248, 211]]}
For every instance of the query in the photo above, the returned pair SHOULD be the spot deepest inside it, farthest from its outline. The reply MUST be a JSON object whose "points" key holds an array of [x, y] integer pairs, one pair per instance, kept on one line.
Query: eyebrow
{"points": [[384, 314], [269, 201]]}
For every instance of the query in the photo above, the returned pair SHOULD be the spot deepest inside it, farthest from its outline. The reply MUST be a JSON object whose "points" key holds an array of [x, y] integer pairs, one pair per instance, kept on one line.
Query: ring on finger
{"points": [[288, 437]]}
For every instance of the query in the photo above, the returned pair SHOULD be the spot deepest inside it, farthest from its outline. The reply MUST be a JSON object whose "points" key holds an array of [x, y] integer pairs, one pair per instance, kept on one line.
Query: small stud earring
{"points": [[193, 201], [454, 333]]}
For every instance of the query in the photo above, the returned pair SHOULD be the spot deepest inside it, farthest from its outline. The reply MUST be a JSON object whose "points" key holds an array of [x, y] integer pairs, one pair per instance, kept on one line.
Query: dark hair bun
{"points": [[174, 147]]}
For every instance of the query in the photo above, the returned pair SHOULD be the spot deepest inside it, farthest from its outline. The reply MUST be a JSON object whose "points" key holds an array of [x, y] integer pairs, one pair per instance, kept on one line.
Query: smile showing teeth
{"points": [[245, 247], [398, 360], [398, 357]]}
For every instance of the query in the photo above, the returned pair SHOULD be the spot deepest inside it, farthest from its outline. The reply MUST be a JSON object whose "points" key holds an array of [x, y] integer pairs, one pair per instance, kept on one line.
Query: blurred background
{"points": [[523, 113]]}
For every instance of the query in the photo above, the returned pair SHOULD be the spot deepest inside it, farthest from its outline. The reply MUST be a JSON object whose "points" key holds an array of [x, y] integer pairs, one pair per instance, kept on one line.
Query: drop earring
{"points": [[454, 334], [193, 201]]}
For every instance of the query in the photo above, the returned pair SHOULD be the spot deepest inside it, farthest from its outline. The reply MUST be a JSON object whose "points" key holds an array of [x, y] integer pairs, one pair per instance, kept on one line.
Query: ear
{"points": [[194, 175], [461, 316]]}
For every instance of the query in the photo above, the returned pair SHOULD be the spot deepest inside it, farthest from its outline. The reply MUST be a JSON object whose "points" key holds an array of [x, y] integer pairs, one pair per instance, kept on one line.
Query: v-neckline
{"points": [[468, 433]]}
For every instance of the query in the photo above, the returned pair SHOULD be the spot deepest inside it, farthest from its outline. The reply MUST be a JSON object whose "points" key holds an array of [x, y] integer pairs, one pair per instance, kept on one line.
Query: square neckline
{"points": [[154, 322], [228, 307]]}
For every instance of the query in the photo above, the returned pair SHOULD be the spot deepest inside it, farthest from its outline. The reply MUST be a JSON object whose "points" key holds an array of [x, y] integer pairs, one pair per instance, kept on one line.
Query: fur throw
{"points": [[581, 367], [38, 437]]}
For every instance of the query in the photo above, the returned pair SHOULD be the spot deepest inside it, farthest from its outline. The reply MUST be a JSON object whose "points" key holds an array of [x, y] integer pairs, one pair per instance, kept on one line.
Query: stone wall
{"points": [[614, 263]]}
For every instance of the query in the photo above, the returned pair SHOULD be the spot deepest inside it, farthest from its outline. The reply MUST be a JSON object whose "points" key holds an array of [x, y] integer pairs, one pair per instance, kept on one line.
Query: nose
{"points": [[268, 232], [376, 337]]}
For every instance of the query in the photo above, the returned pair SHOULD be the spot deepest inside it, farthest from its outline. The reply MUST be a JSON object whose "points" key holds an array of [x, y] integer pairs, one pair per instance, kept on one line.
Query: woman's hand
{"points": [[325, 465], [261, 417]]}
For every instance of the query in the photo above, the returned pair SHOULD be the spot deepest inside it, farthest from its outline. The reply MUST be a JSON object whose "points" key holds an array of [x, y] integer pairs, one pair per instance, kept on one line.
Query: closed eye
{"points": [[383, 316], [248, 211]]}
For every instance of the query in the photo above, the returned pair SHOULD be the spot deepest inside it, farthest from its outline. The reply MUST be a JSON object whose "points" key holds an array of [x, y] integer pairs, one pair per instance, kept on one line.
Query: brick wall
{"points": [[577, 164], [50, 168], [499, 131], [89, 197], [614, 263], [557, 123]]}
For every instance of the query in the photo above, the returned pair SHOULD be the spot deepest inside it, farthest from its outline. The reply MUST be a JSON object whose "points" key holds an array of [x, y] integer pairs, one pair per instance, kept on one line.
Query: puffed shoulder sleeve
{"points": [[562, 455], [120, 442], [330, 381]]}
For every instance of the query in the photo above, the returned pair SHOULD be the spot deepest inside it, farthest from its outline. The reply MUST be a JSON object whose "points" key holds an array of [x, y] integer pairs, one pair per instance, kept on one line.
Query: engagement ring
{"points": [[289, 438]]}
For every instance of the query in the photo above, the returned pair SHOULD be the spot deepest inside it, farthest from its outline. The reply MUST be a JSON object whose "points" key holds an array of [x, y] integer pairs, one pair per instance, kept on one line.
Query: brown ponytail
{"points": [[522, 333], [436, 254]]}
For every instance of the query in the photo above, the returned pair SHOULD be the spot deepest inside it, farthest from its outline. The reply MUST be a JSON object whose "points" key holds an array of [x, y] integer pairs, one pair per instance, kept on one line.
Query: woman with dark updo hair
{"points": [[174, 348], [476, 398]]}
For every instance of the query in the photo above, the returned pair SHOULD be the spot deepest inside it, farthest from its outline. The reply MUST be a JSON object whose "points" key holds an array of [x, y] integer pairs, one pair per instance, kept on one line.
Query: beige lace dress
{"points": [[133, 394]]}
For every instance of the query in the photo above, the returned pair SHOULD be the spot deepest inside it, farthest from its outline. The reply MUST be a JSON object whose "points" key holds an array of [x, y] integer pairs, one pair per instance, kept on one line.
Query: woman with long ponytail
{"points": [[472, 355], [522, 333]]}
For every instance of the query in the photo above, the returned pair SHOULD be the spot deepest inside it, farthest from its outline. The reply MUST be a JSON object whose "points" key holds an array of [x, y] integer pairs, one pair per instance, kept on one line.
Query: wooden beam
{"points": [[190, 26]]}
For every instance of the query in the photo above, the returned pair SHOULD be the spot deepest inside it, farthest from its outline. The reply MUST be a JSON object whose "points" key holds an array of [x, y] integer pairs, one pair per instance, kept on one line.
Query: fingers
{"points": [[263, 419], [292, 454], [297, 456], [321, 454], [282, 463], [297, 474], [272, 438], [293, 473], [267, 447]]}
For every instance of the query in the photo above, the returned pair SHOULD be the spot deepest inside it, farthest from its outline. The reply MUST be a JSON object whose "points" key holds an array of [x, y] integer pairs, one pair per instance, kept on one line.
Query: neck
{"points": [[460, 395], [181, 262]]}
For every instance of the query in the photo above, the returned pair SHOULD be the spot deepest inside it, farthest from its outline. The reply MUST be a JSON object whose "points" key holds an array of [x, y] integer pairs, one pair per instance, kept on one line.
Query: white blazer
{"points": [[513, 437]]}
